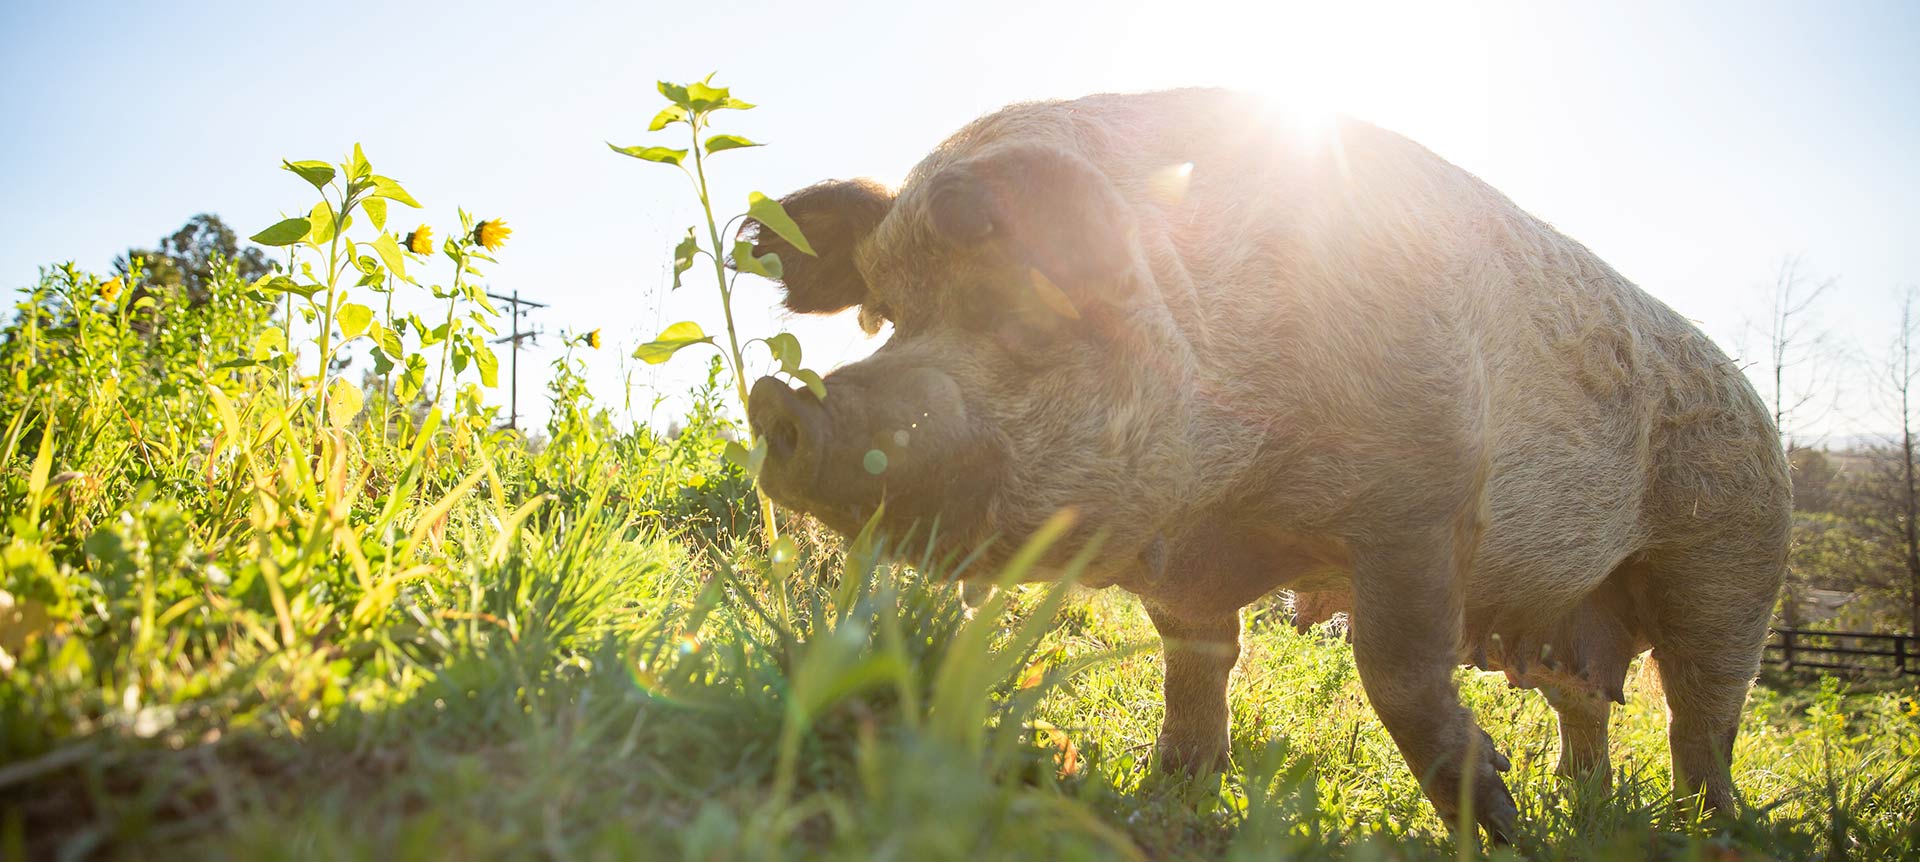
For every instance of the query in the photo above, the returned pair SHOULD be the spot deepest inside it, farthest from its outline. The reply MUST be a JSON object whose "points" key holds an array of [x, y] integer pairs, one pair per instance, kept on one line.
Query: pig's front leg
{"points": [[1406, 632], [1201, 649]]}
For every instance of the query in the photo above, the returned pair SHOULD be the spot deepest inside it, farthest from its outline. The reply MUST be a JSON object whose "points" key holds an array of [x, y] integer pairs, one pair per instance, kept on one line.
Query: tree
{"points": [[1797, 373], [1902, 370], [186, 260]]}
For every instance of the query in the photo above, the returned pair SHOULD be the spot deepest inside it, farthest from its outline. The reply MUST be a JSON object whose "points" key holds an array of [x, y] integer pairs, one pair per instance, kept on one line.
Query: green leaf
{"points": [[322, 220], [663, 155], [773, 216], [675, 93], [343, 403], [786, 350], [388, 340], [357, 167], [671, 340], [488, 364], [668, 116], [376, 210], [813, 381], [316, 172], [285, 232], [747, 459], [702, 97], [683, 256], [718, 143], [270, 341], [354, 319], [766, 265], [413, 379], [384, 187], [381, 363], [283, 284], [389, 251]]}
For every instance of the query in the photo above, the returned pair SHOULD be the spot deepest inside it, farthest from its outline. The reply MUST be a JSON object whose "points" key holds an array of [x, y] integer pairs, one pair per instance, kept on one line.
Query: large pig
{"points": [[1255, 352]]}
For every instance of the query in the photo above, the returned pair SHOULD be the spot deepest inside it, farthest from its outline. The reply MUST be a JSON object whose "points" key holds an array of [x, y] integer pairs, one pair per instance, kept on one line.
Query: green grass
{"points": [[229, 633]]}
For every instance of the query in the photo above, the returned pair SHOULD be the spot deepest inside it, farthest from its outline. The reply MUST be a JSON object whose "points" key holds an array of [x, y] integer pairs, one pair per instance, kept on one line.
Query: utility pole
{"points": [[513, 387]]}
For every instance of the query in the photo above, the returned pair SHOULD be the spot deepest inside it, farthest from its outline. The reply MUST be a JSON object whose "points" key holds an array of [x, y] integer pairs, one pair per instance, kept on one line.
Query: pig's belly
{"points": [[1556, 529]]}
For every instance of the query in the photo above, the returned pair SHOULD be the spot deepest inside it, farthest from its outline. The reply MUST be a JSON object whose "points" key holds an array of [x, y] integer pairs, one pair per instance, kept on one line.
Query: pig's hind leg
{"points": [[1709, 604]]}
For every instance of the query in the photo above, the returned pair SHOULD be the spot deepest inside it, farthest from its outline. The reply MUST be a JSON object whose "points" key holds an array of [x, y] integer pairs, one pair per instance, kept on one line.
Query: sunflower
{"points": [[593, 339], [110, 289], [420, 241], [491, 234]]}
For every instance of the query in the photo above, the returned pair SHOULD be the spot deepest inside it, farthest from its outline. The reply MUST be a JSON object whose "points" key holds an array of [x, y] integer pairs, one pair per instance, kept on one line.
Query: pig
{"points": [[1253, 350], [1311, 608]]}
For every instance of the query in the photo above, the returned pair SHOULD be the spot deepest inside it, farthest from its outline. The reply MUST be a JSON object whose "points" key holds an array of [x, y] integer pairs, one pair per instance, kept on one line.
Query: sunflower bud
{"points": [[491, 233], [420, 241]]}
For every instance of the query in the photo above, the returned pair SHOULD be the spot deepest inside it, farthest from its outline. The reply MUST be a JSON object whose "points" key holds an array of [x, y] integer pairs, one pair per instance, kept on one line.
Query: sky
{"points": [[1694, 147]]}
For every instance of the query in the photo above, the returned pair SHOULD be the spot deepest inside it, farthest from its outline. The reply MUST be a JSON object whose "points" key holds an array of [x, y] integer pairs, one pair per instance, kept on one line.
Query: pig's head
{"points": [[1033, 364]]}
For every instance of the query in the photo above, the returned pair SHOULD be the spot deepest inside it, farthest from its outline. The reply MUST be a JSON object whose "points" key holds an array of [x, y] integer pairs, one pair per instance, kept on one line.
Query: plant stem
{"points": [[446, 341], [726, 310], [286, 332], [326, 317], [386, 380]]}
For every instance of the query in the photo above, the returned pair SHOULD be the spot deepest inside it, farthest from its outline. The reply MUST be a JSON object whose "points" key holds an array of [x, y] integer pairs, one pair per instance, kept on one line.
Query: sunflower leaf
{"points": [[769, 213], [671, 340], [354, 319], [683, 256], [765, 266], [663, 155], [668, 116], [284, 232], [322, 220], [384, 187], [376, 210], [717, 143], [316, 172], [389, 251]]}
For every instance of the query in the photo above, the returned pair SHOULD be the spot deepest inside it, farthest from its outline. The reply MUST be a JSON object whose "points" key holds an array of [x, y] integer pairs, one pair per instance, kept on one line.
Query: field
{"points": [[255, 612]]}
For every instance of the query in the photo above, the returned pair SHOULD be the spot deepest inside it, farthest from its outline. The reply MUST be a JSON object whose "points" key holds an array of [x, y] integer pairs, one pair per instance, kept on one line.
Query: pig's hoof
{"points": [[1189, 756], [1493, 806]]}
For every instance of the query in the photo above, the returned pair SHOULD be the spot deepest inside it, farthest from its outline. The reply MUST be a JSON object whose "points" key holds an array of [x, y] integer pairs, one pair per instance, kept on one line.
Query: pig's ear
{"points": [[1049, 207], [833, 216]]}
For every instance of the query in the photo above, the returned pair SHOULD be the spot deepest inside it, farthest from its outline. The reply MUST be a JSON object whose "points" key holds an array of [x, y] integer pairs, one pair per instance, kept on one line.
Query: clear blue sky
{"points": [[1692, 147]]}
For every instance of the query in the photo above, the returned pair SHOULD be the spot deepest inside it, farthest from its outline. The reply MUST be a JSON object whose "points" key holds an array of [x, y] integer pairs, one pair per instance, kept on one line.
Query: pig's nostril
{"points": [[783, 437]]}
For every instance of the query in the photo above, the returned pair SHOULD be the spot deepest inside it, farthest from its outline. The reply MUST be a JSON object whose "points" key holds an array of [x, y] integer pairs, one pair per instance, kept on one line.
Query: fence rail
{"points": [[1855, 652]]}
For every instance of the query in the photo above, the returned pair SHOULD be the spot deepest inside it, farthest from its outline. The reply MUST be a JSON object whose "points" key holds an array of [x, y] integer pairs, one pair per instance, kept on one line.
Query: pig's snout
{"points": [[794, 425], [892, 435]]}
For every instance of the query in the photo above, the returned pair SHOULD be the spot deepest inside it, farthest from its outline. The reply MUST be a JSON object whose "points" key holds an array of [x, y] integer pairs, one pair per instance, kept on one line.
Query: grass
{"points": [[639, 707], [229, 630]]}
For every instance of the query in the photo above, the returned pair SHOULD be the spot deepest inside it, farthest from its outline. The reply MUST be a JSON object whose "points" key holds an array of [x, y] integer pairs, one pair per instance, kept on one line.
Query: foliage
{"points": [[1850, 537], [190, 257], [695, 106]]}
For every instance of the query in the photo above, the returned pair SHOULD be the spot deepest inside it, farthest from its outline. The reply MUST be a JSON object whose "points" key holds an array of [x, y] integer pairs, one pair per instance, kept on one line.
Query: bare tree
{"points": [[1799, 354], [1901, 374]]}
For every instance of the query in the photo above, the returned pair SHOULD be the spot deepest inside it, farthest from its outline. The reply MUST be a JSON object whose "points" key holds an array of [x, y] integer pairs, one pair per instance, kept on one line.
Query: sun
{"points": [[1421, 69]]}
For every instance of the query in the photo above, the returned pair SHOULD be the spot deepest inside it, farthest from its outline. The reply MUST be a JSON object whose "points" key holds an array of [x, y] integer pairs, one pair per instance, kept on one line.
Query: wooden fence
{"points": [[1852, 652]]}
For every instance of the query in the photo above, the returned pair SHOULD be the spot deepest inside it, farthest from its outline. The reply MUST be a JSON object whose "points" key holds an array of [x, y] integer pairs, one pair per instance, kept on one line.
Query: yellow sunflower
{"points": [[593, 339], [110, 289], [420, 241], [492, 233]]}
